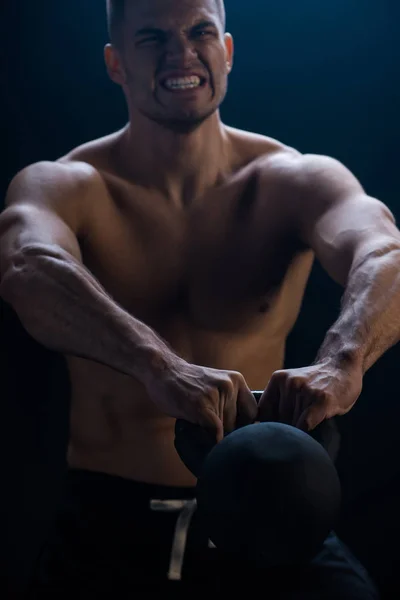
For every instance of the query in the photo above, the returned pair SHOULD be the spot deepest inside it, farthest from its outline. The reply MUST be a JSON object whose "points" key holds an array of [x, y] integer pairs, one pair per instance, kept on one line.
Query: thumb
{"points": [[312, 417]]}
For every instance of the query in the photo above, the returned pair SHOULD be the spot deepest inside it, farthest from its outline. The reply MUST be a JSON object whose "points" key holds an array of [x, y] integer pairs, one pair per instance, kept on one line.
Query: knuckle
{"points": [[228, 386], [296, 383], [280, 376], [236, 378]]}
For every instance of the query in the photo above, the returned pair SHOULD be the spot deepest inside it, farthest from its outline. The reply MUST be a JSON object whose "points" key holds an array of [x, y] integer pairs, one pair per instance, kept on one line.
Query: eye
{"points": [[204, 33], [150, 40]]}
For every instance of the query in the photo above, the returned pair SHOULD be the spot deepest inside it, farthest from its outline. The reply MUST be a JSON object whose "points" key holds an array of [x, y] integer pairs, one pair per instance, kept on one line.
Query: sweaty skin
{"points": [[221, 279]]}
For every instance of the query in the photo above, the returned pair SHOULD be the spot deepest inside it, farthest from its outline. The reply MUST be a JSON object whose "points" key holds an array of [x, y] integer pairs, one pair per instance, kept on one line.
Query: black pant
{"points": [[111, 540]]}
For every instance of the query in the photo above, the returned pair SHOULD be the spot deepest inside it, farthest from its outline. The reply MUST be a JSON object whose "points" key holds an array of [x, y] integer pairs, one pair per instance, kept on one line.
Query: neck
{"points": [[182, 166]]}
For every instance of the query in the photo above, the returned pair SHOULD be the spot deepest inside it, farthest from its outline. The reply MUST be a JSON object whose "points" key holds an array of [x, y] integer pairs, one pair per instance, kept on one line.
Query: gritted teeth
{"points": [[173, 83]]}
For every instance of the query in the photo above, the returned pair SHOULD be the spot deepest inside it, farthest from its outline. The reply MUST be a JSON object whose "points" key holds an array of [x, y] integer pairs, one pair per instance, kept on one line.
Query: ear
{"points": [[230, 51], [114, 64]]}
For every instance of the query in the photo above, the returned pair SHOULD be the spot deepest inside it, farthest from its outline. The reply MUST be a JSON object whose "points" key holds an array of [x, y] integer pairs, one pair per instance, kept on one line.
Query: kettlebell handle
{"points": [[194, 443]]}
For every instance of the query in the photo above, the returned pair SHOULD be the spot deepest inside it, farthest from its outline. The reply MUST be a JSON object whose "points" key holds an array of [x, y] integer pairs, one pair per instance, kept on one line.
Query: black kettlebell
{"points": [[268, 493]]}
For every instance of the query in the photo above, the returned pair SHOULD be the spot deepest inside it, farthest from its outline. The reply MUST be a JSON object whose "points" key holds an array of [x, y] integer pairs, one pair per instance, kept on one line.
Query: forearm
{"points": [[369, 323], [64, 308]]}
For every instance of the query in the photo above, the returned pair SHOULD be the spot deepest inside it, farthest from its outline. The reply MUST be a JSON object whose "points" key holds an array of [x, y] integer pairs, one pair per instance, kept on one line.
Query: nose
{"points": [[181, 50]]}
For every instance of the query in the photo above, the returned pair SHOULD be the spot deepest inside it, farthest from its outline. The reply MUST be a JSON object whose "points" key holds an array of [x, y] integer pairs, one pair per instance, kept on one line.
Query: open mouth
{"points": [[177, 84]]}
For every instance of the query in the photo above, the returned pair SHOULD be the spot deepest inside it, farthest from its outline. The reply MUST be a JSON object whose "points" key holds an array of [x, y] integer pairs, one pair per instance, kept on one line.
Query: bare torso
{"points": [[220, 279]]}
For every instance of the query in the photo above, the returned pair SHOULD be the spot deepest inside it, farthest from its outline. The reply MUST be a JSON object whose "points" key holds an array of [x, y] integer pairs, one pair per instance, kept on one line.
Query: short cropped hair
{"points": [[116, 14]]}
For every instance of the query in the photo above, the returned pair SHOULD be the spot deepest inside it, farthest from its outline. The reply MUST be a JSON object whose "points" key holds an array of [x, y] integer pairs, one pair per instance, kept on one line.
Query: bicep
{"points": [[40, 215], [337, 219], [25, 227], [349, 230]]}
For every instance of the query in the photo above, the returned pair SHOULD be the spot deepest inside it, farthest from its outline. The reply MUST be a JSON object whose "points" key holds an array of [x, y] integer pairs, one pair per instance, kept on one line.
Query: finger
{"points": [[213, 424], [247, 407], [230, 410], [294, 399], [287, 403], [312, 416], [299, 408], [302, 403], [302, 422], [268, 408]]}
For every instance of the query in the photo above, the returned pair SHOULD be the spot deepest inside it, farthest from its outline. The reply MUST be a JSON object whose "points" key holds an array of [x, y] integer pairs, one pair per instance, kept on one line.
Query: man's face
{"points": [[176, 59]]}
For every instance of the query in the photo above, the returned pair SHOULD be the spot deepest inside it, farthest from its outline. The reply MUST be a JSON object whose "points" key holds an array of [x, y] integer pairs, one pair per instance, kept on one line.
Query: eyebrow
{"points": [[157, 31], [203, 24], [148, 31]]}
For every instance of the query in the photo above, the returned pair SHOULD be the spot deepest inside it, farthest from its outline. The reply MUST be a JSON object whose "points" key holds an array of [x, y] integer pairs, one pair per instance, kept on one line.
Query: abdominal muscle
{"points": [[149, 456], [117, 430]]}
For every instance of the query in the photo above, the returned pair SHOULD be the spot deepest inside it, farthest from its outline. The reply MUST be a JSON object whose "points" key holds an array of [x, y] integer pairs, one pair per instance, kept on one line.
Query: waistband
{"points": [[108, 488]]}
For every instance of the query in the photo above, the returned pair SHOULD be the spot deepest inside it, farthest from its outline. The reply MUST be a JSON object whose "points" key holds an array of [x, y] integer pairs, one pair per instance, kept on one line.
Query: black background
{"points": [[319, 76]]}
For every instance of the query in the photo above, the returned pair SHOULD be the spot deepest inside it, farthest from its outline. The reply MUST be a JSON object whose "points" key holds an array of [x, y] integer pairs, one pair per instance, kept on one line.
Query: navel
{"points": [[264, 307]]}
